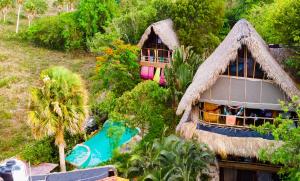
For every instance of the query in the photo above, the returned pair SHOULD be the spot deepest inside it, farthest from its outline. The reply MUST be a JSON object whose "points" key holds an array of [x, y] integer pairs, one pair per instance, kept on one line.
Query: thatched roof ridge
{"points": [[225, 145], [207, 74], [164, 29]]}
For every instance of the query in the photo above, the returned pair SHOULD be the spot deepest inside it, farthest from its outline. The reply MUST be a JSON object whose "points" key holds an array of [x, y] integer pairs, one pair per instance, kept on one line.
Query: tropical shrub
{"points": [[168, 158], [146, 107], [93, 15], [104, 105], [288, 131], [279, 22], [34, 8], [41, 151], [198, 23], [57, 106], [293, 64], [101, 41], [44, 150], [181, 72], [117, 68], [137, 15], [5, 5], [56, 32]]}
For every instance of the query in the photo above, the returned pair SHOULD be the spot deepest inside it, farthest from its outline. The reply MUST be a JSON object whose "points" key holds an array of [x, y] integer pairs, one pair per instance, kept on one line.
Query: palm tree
{"points": [[171, 158], [180, 74], [58, 105]]}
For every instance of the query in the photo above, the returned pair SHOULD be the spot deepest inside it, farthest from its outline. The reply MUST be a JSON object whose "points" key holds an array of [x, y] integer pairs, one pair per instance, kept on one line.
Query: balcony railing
{"points": [[155, 57], [233, 121]]}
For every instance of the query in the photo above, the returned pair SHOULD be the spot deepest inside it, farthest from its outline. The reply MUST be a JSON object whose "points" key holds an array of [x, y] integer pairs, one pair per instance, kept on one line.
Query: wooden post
{"points": [[245, 88], [148, 54], [237, 64], [195, 114]]}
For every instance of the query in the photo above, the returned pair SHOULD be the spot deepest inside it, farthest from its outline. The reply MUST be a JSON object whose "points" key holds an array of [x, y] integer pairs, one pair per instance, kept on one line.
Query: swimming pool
{"points": [[99, 148]]}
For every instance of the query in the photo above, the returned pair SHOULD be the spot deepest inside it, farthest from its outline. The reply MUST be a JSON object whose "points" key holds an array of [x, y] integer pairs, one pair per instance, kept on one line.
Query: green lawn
{"points": [[20, 65]]}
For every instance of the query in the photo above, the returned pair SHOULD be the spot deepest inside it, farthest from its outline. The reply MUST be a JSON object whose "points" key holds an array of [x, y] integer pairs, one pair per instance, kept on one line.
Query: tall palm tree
{"points": [[59, 104], [180, 74]]}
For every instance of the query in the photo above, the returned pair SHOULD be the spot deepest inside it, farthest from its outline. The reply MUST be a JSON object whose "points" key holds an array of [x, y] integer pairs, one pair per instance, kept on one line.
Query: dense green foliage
{"points": [[34, 8], [279, 22], [137, 15], [181, 71], [56, 32], [288, 154], [117, 68], [146, 107], [238, 9], [41, 151], [169, 158], [198, 23], [70, 31], [94, 14], [4, 8], [44, 150]]}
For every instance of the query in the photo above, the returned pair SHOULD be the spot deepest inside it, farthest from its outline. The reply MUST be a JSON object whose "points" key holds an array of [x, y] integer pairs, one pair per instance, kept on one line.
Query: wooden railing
{"points": [[241, 121], [155, 57]]}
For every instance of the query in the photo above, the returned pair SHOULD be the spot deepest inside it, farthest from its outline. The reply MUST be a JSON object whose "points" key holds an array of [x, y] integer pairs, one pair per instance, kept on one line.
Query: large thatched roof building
{"points": [[238, 85]]}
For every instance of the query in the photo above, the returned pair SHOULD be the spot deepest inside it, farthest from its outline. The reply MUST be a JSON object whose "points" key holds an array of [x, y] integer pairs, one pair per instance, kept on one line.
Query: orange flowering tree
{"points": [[117, 67]]}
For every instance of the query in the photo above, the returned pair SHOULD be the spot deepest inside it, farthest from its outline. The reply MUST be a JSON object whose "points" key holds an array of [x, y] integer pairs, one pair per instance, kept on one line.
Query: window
{"points": [[245, 66]]}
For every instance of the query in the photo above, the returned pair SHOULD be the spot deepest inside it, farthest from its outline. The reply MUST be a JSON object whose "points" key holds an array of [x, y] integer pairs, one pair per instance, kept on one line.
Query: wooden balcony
{"points": [[159, 58], [239, 121]]}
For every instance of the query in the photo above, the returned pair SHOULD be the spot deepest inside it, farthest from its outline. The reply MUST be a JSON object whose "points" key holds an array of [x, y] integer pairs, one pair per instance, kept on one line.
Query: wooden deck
{"points": [[154, 64]]}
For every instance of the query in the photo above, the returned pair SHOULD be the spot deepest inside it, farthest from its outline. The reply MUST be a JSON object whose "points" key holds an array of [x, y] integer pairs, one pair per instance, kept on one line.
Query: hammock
{"points": [[157, 75], [147, 72], [162, 80]]}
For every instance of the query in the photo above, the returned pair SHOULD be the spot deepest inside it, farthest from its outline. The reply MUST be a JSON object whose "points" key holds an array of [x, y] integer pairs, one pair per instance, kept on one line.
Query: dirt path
{"points": [[20, 66]]}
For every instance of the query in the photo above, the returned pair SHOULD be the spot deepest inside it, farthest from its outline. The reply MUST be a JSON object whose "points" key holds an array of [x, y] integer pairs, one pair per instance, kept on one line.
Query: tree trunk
{"points": [[18, 18], [30, 18], [4, 11], [61, 148]]}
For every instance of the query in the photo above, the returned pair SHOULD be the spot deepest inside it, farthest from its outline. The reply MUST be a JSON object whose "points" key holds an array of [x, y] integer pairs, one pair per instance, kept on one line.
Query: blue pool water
{"points": [[99, 148]]}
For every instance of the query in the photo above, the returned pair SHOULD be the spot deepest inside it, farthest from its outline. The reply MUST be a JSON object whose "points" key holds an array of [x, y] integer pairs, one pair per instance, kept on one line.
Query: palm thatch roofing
{"points": [[225, 145], [241, 34], [164, 30]]}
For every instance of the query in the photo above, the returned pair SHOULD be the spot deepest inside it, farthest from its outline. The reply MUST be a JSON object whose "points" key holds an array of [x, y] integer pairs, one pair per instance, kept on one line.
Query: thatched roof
{"points": [[225, 145], [280, 54], [164, 29], [207, 74]]}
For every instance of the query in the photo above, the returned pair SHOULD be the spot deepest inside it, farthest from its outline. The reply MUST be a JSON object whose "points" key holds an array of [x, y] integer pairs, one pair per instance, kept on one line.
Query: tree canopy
{"points": [[286, 130]]}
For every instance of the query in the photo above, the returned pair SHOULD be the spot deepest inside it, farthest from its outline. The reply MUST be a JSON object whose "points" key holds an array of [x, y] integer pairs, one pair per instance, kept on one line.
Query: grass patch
{"points": [[20, 66], [4, 115], [5, 82], [3, 58]]}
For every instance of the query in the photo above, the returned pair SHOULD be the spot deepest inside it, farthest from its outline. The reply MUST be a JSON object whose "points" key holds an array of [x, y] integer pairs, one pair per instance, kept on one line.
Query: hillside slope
{"points": [[20, 66]]}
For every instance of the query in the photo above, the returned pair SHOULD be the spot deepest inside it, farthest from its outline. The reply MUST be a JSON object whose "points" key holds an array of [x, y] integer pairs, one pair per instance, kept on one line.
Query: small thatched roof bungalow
{"points": [[230, 90], [157, 45], [164, 30]]}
